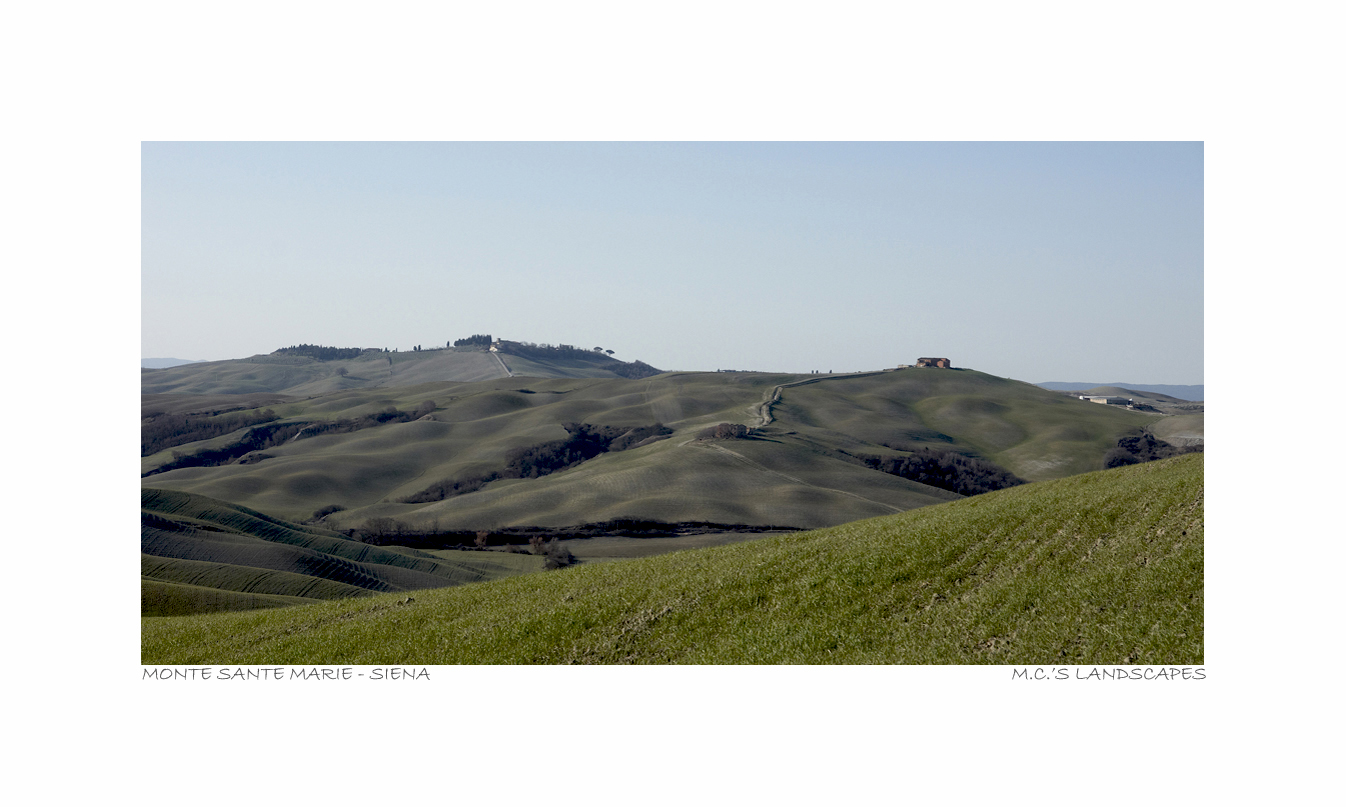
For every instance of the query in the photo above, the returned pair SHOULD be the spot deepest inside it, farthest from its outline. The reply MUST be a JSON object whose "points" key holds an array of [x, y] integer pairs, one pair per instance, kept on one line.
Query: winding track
{"points": [[762, 411]]}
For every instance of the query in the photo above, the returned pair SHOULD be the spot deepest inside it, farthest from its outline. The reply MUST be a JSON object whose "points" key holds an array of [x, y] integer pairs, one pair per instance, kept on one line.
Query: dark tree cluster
{"points": [[477, 339], [1143, 447], [634, 369], [529, 350], [256, 439], [324, 512], [347, 425], [161, 431], [321, 352], [264, 437], [383, 530], [724, 431], [946, 470], [585, 442]]}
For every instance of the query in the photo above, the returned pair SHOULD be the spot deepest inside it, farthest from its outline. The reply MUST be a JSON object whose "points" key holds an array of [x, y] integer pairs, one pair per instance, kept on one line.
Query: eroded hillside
{"points": [[801, 465]]}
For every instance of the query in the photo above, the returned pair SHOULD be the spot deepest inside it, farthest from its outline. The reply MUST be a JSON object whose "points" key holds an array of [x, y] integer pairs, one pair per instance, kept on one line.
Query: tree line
{"points": [[322, 352], [346, 425], [585, 441], [385, 530], [269, 436], [256, 439], [477, 339], [160, 431]]}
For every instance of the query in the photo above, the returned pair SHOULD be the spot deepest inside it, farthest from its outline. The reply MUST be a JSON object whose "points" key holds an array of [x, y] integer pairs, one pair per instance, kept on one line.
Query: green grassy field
{"points": [[1100, 568], [796, 472], [201, 554]]}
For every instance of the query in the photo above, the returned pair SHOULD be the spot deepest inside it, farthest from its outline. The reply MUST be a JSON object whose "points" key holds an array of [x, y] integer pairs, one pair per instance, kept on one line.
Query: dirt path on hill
{"points": [[508, 373], [762, 411]]}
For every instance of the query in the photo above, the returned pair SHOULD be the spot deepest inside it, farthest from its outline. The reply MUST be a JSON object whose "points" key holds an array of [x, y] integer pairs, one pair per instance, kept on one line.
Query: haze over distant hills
{"points": [[1185, 392], [159, 364]]}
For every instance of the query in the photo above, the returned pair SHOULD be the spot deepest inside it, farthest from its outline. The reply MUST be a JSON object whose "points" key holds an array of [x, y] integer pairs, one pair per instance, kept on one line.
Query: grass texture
{"points": [[1100, 568]]}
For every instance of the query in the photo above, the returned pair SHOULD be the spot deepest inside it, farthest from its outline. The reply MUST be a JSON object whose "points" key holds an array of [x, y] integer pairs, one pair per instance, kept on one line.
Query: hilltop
{"points": [[299, 372], [1100, 568], [472, 455]]}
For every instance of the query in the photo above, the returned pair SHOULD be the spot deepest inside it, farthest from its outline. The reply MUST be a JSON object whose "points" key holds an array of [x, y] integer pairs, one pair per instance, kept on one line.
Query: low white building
{"points": [[1106, 399]]}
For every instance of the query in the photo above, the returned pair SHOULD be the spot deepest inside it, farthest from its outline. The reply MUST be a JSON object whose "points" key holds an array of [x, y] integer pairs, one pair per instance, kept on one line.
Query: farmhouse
{"points": [[1106, 399], [933, 363]]}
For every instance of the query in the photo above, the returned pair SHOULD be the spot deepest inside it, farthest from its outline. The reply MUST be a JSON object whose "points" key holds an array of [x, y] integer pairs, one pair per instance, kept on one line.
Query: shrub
{"points": [[558, 557], [724, 431], [323, 512]]}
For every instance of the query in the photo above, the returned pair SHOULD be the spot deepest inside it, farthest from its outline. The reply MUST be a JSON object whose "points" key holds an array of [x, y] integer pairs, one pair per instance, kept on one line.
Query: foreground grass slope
{"points": [[1101, 568]]}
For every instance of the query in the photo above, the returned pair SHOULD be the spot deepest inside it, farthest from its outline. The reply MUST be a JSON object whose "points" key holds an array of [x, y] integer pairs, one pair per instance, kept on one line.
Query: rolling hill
{"points": [[801, 466], [1098, 568], [302, 375], [200, 554]]}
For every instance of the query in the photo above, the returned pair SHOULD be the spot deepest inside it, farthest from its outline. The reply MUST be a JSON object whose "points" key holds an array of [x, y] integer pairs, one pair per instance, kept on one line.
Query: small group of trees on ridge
{"points": [[585, 441], [477, 339], [321, 352]]}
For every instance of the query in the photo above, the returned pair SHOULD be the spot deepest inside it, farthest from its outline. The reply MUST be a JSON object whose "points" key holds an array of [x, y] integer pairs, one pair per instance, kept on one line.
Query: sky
{"points": [[1034, 261]]}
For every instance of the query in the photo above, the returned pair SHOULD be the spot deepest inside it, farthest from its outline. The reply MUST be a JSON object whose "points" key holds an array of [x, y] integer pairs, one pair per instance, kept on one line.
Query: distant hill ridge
{"points": [[1182, 392], [315, 370], [160, 364]]}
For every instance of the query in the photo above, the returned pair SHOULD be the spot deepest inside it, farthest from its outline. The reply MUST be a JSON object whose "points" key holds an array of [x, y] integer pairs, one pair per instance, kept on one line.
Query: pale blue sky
{"points": [[1036, 261]]}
